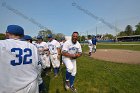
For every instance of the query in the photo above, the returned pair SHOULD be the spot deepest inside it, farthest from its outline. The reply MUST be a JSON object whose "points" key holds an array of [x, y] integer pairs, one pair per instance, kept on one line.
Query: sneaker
{"points": [[73, 89], [89, 53], [67, 85]]}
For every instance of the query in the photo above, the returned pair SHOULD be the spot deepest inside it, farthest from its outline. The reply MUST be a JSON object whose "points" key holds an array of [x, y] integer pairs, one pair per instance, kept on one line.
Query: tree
{"points": [[122, 33], [108, 36], [137, 31], [58, 36], [2, 36], [82, 38], [128, 30], [44, 34]]}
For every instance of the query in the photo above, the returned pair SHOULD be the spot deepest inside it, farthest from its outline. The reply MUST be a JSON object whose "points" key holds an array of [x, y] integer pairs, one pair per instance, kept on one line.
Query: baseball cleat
{"points": [[73, 89], [67, 85]]}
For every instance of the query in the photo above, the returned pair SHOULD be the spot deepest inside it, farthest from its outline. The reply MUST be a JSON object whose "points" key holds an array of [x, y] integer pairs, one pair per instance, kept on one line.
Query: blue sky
{"points": [[61, 17]]}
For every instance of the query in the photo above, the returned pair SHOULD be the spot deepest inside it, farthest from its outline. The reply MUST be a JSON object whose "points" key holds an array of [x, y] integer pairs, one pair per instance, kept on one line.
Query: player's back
{"points": [[89, 42], [94, 40], [53, 45], [18, 65]]}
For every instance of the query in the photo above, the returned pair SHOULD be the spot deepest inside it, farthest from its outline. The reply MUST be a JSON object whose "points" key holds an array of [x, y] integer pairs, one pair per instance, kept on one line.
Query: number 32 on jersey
{"points": [[23, 56]]}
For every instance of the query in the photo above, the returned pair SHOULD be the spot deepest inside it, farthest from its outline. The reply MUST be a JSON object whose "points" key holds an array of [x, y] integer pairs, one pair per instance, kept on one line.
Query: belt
{"points": [[53, 53], [41, 54]]}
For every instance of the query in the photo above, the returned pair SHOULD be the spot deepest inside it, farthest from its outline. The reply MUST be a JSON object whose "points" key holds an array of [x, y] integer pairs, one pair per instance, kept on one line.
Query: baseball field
{"points": [[97, 75]]}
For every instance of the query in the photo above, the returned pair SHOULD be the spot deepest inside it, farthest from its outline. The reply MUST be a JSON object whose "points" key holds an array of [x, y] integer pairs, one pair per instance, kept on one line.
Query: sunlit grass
{"points": [[95, 76]]}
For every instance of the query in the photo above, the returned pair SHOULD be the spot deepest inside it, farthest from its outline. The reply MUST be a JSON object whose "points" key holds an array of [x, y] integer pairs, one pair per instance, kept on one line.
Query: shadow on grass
{"points": [[46, 80], [63, 71]]}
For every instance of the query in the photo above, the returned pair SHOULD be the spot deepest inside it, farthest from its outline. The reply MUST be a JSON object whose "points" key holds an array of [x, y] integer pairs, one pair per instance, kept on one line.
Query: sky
{"points": [[63, 16]]}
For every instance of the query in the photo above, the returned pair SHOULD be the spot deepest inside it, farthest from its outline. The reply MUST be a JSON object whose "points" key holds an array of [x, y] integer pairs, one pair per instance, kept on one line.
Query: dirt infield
{"points": [[116, 55]]}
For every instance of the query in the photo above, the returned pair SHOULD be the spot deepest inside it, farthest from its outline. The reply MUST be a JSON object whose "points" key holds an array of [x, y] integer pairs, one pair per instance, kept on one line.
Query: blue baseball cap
{"points": [[27, 37], [15, 29], [39, 37], [49, 36]]}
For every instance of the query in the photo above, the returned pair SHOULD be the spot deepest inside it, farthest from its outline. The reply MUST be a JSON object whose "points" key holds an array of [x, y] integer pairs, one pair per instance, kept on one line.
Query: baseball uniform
{"points": [[53, 49], [18, 67], [71, 48]]}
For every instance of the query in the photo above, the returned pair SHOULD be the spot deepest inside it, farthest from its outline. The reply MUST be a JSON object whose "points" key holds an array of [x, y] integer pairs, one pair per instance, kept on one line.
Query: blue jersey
{"points": [[94, 40]]}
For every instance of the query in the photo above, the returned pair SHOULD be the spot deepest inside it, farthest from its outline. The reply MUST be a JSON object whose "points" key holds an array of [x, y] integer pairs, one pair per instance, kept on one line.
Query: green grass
{"points": [[120, 42], [95, 76], [109, 46], [126, 47]]}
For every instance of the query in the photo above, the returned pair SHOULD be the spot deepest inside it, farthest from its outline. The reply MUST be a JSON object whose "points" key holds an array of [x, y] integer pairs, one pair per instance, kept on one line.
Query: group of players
{"points": [[22, 60]]}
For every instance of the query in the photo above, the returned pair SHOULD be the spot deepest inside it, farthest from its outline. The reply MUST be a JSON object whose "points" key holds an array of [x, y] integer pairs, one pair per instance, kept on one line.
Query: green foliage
{"points": [[81, 38], [96, 76], [108, 36], [45, 33], [2, 36], [137, 31], [58, 36], [128, 30], [122, 33]]}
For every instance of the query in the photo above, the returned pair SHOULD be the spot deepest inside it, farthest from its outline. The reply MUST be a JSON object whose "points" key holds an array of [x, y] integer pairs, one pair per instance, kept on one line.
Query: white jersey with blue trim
{"points": [[71, 48], [90, 42], [53, 45], [41, 46], [18, 65]]}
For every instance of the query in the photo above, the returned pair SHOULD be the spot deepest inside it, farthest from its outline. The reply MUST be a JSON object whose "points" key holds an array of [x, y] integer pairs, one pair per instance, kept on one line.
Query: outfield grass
{"points": [[120, 42], [95, 76], [126, 47], [117, 45]]}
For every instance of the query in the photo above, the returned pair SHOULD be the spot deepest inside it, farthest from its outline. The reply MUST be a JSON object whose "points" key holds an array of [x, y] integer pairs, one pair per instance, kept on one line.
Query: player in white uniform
{"points": [[19, 63], [43, 52], [40, 80], [44, 59], [63, 40], [27, 38], [70, 51], [54, 48], [90, 45]]}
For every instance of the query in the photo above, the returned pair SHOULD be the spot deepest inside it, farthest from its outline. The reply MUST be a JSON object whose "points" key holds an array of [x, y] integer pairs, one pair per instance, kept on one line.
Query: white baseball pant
{"points": [[55, 61], [70, 65]]}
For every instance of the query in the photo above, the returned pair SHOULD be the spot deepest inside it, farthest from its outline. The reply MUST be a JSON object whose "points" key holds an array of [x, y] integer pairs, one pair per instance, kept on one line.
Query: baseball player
{"points": [[43, 52], [44, 59], [19, 63], [63, 40], [90, 45], [27, 38], [94, 41], [70, 51], [40, 80], [54, 48]]}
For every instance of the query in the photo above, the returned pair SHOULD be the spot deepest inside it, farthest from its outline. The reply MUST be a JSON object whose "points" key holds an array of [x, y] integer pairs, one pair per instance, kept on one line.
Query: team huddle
{"points": [[22, 60]]}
